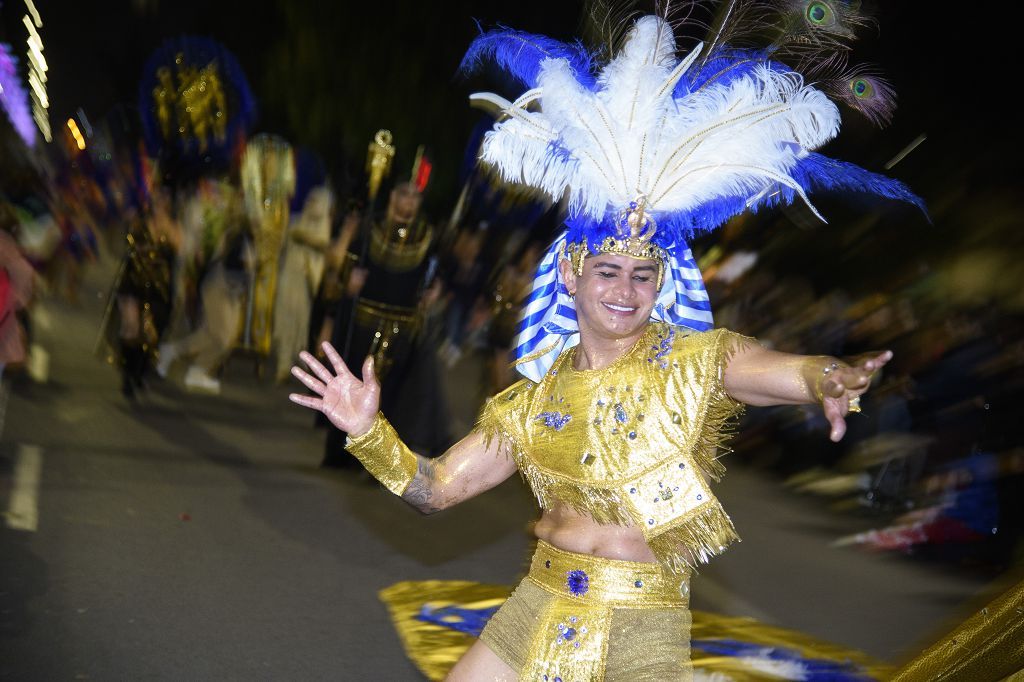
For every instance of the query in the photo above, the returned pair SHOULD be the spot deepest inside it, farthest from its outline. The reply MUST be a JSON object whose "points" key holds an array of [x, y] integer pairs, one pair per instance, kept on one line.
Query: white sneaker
{"points": [[167, 353], [198, 380]]}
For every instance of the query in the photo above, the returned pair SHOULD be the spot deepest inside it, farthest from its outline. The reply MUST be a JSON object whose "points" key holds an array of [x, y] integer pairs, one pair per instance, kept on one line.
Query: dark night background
{"points": [[327, 75]]}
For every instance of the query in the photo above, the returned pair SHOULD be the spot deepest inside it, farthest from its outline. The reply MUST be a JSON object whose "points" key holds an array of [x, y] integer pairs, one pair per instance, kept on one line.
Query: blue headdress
{"points": [[650, 149]]}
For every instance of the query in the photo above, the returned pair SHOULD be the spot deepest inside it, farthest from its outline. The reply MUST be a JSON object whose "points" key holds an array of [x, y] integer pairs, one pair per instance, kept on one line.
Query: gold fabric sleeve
{"points": [[384, 455], [989, 645]]}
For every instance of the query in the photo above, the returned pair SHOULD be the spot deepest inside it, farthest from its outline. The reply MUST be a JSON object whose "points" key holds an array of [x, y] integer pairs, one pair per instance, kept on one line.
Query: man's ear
{"points": [[568, 275]]}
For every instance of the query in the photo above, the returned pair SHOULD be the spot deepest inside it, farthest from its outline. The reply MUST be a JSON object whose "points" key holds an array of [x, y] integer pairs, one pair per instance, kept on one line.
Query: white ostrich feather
{"points": [[629, 137]]}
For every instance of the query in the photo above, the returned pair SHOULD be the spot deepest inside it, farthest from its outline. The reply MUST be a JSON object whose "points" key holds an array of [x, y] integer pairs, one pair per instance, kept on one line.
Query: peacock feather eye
{"points": [[820, 14], [862, 88]]}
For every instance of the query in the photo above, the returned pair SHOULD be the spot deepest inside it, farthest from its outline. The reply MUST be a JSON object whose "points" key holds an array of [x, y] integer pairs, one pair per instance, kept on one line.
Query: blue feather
{"points": [[814, 669], [723, 66], [520, 54], [455, 617], [817, 173]]}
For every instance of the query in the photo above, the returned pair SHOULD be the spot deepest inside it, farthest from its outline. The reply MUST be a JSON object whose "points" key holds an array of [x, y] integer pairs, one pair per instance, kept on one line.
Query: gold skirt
{"points": [[580, 618]]}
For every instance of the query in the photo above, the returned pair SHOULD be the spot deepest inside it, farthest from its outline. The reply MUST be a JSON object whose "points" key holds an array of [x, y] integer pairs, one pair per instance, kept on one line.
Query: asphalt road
{"points": [[192, 537]]}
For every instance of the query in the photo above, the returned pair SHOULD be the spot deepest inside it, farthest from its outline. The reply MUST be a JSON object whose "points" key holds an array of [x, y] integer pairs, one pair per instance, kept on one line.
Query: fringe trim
{"points": [[604, 505], [721, 411], [694, 538]]}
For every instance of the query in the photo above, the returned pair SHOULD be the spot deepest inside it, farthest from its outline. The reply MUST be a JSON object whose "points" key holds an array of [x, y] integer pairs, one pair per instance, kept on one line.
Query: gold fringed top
{"points": [[633, 443]]}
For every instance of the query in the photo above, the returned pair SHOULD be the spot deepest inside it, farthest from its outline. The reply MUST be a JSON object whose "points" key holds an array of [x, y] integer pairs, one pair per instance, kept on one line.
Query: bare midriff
{"points": [[574, 532]]}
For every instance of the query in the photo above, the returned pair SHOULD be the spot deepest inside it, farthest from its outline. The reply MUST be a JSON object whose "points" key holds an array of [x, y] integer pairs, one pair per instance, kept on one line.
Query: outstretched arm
{"points": [[758, 376], [470, 467]]}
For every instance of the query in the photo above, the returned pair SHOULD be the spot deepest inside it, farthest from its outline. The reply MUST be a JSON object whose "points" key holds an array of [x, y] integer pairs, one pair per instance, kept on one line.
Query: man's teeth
{"points": [[620, 308]]}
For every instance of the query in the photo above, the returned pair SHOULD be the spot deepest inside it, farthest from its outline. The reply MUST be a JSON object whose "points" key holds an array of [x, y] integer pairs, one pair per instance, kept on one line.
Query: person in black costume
{"points": [[143, 290], [379, 315]]}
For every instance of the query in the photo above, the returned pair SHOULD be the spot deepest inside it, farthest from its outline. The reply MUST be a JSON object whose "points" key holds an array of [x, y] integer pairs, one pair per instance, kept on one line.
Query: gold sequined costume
{"points": [[580, 617], [632, 444]]}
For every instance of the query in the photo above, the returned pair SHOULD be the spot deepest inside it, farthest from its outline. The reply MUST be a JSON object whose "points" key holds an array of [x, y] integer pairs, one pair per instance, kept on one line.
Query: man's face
{"points": [[614, 295], [405, 203]]}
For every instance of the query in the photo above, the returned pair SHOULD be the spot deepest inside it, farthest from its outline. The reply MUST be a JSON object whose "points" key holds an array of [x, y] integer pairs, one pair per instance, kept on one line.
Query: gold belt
{"points": [[595, 580], [369, 312]]}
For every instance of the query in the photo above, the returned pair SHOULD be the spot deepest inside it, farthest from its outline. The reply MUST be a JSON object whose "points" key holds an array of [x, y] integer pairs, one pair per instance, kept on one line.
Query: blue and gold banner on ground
{"points": [[438, 620]]}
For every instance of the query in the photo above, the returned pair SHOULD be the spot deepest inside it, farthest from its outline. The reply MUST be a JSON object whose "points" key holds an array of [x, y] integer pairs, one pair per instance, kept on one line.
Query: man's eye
{"points": [[642, 278], [605, 274]]}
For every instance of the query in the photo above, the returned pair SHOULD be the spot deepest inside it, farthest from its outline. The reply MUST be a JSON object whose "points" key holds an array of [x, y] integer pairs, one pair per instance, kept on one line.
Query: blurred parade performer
{"points": [[268, 183], [629, 392], [222, 301], [17, 279], [380, 316], [302, 268], [143, 289]]}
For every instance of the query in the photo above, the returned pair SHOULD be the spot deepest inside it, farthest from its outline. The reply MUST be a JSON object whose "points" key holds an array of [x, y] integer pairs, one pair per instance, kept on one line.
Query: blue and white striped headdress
{"points": [[697, 140]]}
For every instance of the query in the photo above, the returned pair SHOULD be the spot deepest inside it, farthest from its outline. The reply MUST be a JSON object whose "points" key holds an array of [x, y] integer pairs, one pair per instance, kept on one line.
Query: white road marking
{"points": [[23, 511], [38, 365]]}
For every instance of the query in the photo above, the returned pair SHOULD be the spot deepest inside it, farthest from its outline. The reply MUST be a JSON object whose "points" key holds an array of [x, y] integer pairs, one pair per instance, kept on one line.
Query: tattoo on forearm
{"points": [[420, 492]]}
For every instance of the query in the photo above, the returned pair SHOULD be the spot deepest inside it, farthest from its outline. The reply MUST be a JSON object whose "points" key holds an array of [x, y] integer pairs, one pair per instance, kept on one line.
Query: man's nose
{"points": [[626, 288]]}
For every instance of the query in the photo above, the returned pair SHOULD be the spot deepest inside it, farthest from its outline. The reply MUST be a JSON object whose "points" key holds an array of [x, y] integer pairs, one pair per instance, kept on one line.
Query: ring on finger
{"points": [[854, 405]]}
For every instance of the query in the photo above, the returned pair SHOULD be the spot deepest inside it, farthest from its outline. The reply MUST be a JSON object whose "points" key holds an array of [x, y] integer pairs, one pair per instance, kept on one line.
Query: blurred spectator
{"points": [[302, 267]]}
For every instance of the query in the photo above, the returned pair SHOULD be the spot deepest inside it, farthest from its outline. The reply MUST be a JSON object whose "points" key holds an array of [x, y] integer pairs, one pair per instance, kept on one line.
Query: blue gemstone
{"points": [[547, 564], [578, 582], [638, 583], [700, 497], [632, 435], [620, 413], [570, 634]]}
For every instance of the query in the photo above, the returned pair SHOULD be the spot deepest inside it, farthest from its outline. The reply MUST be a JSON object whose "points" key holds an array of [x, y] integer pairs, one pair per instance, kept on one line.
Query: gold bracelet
{"points": [[831, 365], [384, 455]]}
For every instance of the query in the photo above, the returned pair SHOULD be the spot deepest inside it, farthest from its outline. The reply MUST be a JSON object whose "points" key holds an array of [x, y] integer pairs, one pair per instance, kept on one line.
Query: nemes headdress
{"points": [[651, 148]]}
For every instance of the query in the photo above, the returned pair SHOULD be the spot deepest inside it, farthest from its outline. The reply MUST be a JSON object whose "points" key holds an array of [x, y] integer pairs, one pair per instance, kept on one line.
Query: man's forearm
{"points": [[421, 492], [767, 377], [412, 477], [385, 456]]}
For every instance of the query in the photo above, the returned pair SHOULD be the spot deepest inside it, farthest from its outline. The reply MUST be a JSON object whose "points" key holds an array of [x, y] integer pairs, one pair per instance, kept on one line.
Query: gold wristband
{"points": [[384, 455], [831, 365]]}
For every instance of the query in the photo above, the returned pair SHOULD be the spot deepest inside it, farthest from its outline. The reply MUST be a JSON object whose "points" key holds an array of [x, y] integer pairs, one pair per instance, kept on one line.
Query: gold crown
{"points": [[635, 231]]}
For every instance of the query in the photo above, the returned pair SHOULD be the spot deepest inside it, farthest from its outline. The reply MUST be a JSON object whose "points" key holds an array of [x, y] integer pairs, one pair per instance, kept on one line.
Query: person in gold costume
{"points": [[629, 391]]}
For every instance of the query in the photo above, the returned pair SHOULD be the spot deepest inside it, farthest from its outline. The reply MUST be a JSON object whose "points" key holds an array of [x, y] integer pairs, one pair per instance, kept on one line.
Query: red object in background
{"points": [[5, 295], [184, 516], [423, 174]]}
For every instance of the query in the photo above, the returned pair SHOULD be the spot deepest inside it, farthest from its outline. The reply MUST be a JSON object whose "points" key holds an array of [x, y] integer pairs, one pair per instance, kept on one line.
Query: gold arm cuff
{"points": [[384, 455], [821, 367]]}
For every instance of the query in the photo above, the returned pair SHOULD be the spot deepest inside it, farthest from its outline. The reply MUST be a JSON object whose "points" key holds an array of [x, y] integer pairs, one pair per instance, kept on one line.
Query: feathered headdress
{"points": [[650, 148]]}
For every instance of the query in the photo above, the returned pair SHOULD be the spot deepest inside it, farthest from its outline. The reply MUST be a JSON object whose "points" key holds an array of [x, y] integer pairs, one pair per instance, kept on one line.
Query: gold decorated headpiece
{"points": [[635, 230]]}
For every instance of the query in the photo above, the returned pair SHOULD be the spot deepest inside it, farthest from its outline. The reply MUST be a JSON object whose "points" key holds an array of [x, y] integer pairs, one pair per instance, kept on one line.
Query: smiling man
{"points": [[618, 440], [629, 391]]}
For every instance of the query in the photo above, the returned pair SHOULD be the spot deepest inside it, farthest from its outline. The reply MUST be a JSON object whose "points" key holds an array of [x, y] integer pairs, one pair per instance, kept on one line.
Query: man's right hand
{"points": [[350, 404]]}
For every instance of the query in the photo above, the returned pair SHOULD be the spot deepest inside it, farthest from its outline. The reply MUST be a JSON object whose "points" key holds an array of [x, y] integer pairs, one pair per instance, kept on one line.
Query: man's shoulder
{"points": [[679, 342], [517, 392]]}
